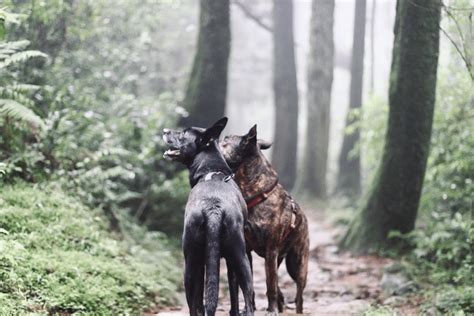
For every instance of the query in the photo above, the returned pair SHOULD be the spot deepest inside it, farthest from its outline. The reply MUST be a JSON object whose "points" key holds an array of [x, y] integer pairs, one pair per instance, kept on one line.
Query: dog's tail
{"points": [[213, 227]]}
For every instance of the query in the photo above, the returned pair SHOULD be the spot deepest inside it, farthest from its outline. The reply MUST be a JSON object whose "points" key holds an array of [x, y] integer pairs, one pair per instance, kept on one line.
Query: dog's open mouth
{"points": [[173, 152]]}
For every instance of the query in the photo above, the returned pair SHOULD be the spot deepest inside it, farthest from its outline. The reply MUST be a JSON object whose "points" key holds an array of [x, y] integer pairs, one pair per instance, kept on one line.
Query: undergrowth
{"points": [[57, 256]]}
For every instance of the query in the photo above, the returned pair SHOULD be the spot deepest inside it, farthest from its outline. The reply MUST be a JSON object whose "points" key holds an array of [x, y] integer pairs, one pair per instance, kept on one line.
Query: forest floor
{"points": [[338, 283]]}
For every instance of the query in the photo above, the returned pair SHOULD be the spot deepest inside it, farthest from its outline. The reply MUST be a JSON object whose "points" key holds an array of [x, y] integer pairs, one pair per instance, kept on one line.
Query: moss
{"points": [[57, 256]]}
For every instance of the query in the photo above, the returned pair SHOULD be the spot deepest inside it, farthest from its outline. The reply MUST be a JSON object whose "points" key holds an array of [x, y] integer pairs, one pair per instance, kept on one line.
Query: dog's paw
{"points": [[246, 313], [271, 313], [234, 313]]}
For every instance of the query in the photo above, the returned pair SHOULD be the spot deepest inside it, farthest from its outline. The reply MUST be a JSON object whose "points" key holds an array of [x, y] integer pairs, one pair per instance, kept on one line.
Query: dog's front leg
{"points": [[271, 271]]}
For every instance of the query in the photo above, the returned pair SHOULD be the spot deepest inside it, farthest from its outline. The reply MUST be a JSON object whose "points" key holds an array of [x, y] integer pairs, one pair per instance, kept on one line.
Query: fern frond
{"points": [[19, 112], [13, 46], [16, 96], [20, 87], [8, 17], [21, 57]]}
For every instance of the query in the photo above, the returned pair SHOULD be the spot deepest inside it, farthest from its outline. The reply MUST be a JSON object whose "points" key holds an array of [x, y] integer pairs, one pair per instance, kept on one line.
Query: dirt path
{"points": [[338, 283]]}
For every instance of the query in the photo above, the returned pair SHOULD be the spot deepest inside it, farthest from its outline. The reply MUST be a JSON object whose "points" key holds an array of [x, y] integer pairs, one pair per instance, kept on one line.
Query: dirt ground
{"points": [[338, 283]]}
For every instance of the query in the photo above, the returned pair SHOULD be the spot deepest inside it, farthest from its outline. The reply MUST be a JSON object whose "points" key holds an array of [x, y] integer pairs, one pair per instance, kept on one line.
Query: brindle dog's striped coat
{"points": [[277, 227]]}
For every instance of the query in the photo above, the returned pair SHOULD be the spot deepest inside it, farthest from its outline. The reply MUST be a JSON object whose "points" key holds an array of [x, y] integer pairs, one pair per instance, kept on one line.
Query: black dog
{"points": [[214, 220]]}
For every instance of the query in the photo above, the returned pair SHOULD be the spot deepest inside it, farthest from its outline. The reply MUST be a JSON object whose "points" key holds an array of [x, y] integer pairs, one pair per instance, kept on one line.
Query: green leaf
{"points": [[19, 112]]}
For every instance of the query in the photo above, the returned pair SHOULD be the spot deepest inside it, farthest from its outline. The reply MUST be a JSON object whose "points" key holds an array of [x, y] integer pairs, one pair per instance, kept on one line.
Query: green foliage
{"points": [[454, 301], [380, 311], [371, 122], [57, 256], [103, 96]]}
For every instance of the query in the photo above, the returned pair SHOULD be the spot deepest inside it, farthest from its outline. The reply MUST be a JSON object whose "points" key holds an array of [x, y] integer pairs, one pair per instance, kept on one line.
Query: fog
{"points": [[250, 94]]}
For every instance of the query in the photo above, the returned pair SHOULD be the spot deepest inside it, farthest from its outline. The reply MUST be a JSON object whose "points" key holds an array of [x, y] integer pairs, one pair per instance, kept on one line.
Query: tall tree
{"points": [[285, 93], [320, 76], [207, 87], [393, 200], [348, 180]]}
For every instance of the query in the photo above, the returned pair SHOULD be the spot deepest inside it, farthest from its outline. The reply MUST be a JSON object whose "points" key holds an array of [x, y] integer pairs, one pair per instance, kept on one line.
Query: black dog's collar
{"points": [[209, 176]]}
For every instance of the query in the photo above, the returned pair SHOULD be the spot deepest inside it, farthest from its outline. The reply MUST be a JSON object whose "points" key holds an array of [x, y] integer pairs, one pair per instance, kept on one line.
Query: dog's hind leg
{"points": [[240, 261], [249, 256], [194, 283], [297, 266], [233, 289], [281, 298]]}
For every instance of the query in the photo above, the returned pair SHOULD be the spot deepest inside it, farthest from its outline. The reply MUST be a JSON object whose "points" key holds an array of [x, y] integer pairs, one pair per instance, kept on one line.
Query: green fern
{"points": [[17, 111], [21, 57], [15, 101], [14, 46]]}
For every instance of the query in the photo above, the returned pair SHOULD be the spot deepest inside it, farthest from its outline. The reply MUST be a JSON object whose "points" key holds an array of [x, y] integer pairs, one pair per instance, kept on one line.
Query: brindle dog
{"points": [[277, 228]]}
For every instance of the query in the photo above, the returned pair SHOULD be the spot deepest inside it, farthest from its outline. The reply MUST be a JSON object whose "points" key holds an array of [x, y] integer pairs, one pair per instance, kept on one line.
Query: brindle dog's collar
{"points": [[210, 175], [260, 197]]}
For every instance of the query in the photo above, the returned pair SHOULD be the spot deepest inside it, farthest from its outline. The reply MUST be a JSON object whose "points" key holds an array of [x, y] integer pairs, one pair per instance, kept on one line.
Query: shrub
{"points": [[57, 256]]}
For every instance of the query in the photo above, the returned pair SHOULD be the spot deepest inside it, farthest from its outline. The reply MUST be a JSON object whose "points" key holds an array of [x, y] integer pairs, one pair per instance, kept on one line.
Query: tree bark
{"points": [[206, 92], [393, 201], [319, 80], [285, 89], [348, 181]]}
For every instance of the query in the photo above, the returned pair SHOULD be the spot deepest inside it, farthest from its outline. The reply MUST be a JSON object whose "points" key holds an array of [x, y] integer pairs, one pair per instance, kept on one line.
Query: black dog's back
{"points": [[214, 218]]}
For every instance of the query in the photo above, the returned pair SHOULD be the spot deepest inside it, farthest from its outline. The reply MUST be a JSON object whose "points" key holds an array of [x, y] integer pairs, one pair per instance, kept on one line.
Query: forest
{"points": [[364, 108]]}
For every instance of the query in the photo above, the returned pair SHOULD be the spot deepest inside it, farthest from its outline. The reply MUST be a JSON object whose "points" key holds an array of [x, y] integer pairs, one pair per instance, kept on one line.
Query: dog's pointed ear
{"points": [[251, 136], [213, 132], [264, 144]]}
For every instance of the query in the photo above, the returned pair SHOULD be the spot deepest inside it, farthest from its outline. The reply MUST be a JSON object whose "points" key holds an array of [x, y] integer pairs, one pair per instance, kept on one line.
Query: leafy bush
{"points": [[103, 100], [57, 256]]}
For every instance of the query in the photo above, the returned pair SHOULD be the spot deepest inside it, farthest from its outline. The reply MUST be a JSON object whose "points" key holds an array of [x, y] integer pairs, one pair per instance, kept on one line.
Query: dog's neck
{"points": [[207, 161], [255, 174]]}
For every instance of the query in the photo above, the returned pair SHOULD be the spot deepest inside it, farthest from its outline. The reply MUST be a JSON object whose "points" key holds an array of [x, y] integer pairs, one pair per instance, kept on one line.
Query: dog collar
{"points": [[208, 177], [260, 197]]}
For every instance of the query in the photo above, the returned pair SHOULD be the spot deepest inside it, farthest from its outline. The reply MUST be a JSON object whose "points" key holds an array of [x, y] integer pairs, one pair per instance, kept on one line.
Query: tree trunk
{"points": [[348, 181], [393, 201], [285, 138], [207, 87], [372, 45], [320, 76]]}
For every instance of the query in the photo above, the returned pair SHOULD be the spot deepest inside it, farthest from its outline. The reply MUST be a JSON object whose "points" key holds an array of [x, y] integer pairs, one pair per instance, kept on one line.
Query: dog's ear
{"points": [[251, 137], [213, 132], [264, 144]]}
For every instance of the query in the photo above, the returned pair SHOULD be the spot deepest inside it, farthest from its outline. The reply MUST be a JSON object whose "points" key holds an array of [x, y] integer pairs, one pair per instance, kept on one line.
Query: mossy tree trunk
{"points": [[348, 180], [285, 139], [395, 194], [320, 76], [206, 92]]}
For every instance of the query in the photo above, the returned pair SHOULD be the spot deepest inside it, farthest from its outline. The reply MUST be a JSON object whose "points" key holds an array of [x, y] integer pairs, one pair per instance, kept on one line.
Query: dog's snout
{"points": [[166, 131]]}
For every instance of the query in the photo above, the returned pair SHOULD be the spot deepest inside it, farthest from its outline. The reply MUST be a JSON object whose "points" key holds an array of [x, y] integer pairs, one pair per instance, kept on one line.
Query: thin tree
{"points": [[206, 92], [394, 198], [372, 45], [285, 89], [348, 180], [319, 81]]}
